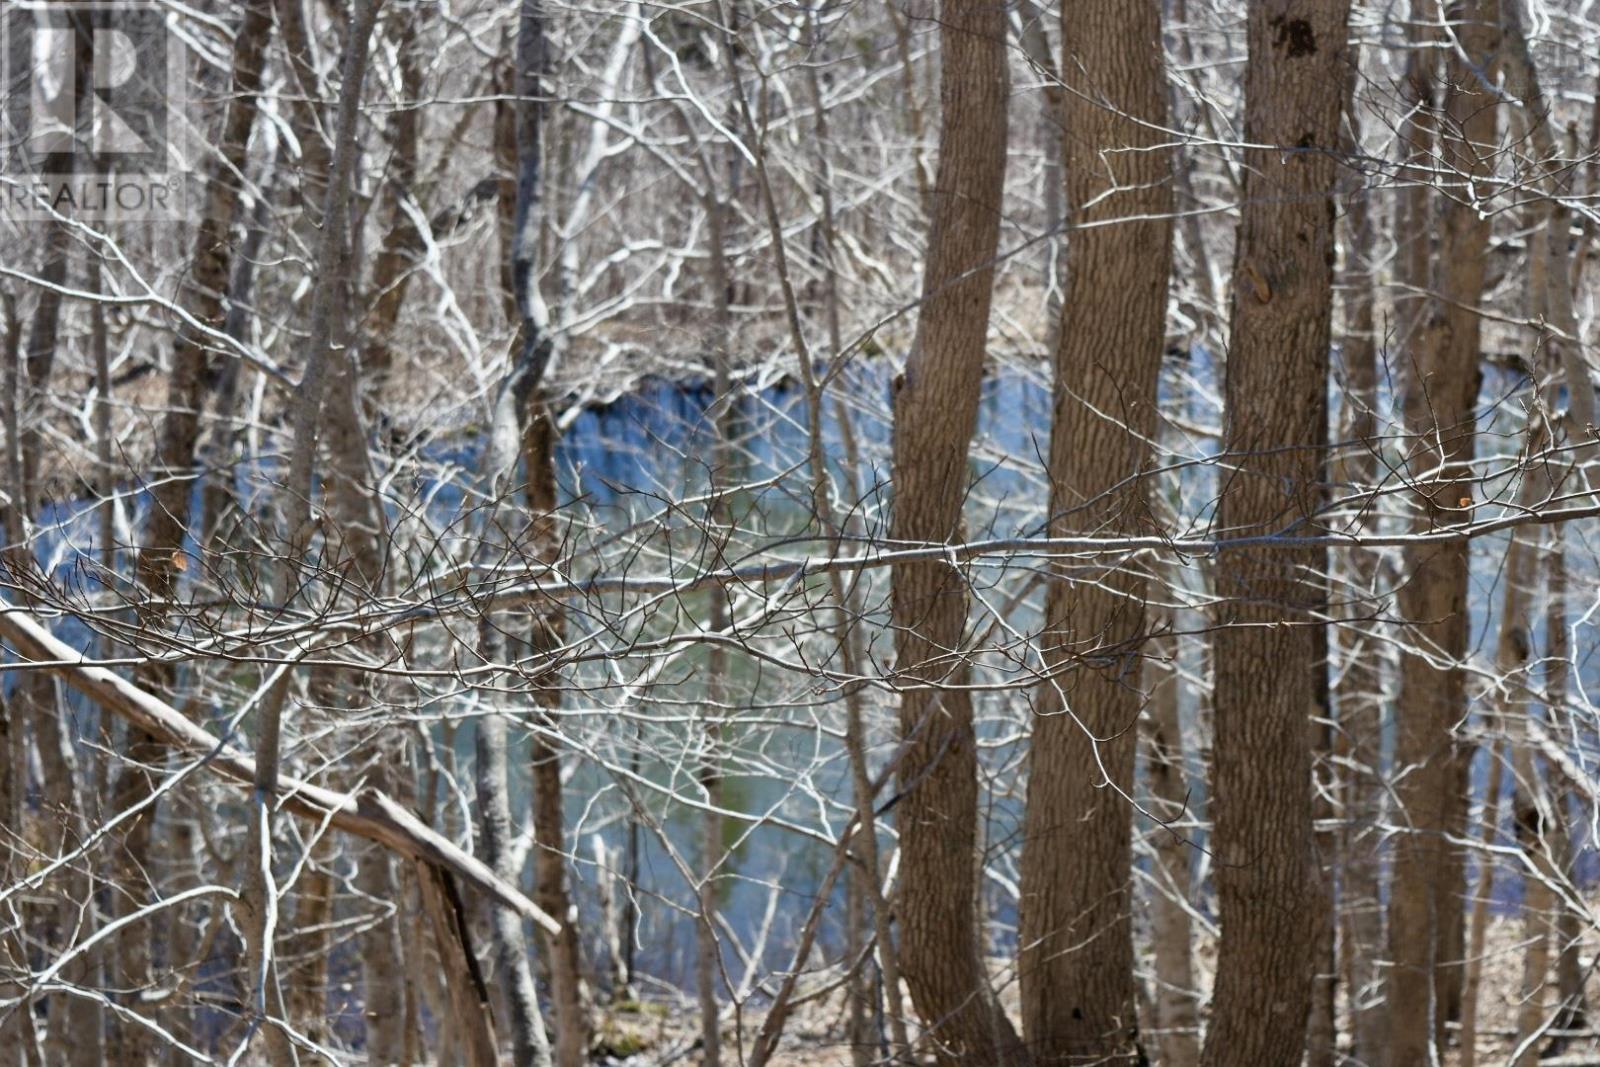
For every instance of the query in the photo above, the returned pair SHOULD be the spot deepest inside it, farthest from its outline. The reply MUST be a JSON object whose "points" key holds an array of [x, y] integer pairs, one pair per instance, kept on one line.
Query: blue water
{"points": [[626, 460]]}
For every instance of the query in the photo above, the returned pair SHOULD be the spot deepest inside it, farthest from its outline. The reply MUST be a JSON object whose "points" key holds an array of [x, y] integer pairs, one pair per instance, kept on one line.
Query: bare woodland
{"points": [[724, 532]]}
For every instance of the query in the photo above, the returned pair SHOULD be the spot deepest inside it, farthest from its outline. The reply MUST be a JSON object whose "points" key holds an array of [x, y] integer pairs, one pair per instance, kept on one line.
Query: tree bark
{"points": [[1276, 382], [1478, 927], [1570, 973], [354, 537], [1177, 1017], [521, 427], [1076, 933], [1358, 682], [1426, 918], [936, 407], [163, 551], [549, 821]]}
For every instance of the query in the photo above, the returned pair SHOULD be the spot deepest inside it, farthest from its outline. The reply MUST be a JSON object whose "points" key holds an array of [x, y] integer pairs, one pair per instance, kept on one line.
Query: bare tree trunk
{"points": [[530, 1046], [1555, 278], [403, 242], [1441, 390], [1177, 1016], [915, 122], [1522, 79], [1537, 903], [18, 1034], [1358, 694], [1570, 972], [356, 535], [1478, 927], [163, 551], [470, 1016], [519, 427], [308, 997], [34, 699], [936, 408], [549, 821], [1515, 646], [708, 953], [305, 118], [1035, 42], [1075, 922], [1276, 382], [533, 348]]}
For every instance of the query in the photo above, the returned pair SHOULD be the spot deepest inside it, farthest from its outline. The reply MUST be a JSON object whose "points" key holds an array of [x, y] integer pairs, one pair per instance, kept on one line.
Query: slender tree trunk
{"points": [[1441, 389], [1076, 932], [403, 242], [1529, 803], [304, 105], [1358, 687], [708, 952], [549, 821], [1177, 1017], [1538, 901], [1478, 927], [533, 348], [936, 408], [529, 1045], [916, 123], [1276, 382], [15, 1026], [328, 386], [1035, 42], [1570, 972], [83, 1019], [520, 427], [35, 698], [163, 551]]}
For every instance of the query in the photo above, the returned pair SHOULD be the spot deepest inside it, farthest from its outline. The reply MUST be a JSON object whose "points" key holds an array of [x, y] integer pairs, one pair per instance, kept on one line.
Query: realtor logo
{"points": [[92, 95]]}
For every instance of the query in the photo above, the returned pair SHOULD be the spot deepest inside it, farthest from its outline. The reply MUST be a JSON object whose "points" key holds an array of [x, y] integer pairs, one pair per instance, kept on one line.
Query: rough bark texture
{"points": [[1276, 379], [936, 407], [1426, 931], [1076, 930], [1177, 1017]]}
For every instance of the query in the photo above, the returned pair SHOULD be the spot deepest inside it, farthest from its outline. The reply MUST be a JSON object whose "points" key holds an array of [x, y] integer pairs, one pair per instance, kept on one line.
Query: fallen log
{"points": [[367, 813]]}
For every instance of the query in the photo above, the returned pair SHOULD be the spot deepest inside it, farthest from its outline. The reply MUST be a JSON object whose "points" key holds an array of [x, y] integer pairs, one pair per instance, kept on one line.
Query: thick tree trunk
{"points": [[1076, 932], [936, 408], [1276, 382]]}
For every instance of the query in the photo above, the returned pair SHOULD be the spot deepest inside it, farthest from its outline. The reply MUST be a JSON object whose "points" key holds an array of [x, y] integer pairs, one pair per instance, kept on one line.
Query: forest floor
{"points": [[660, 1035]]}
